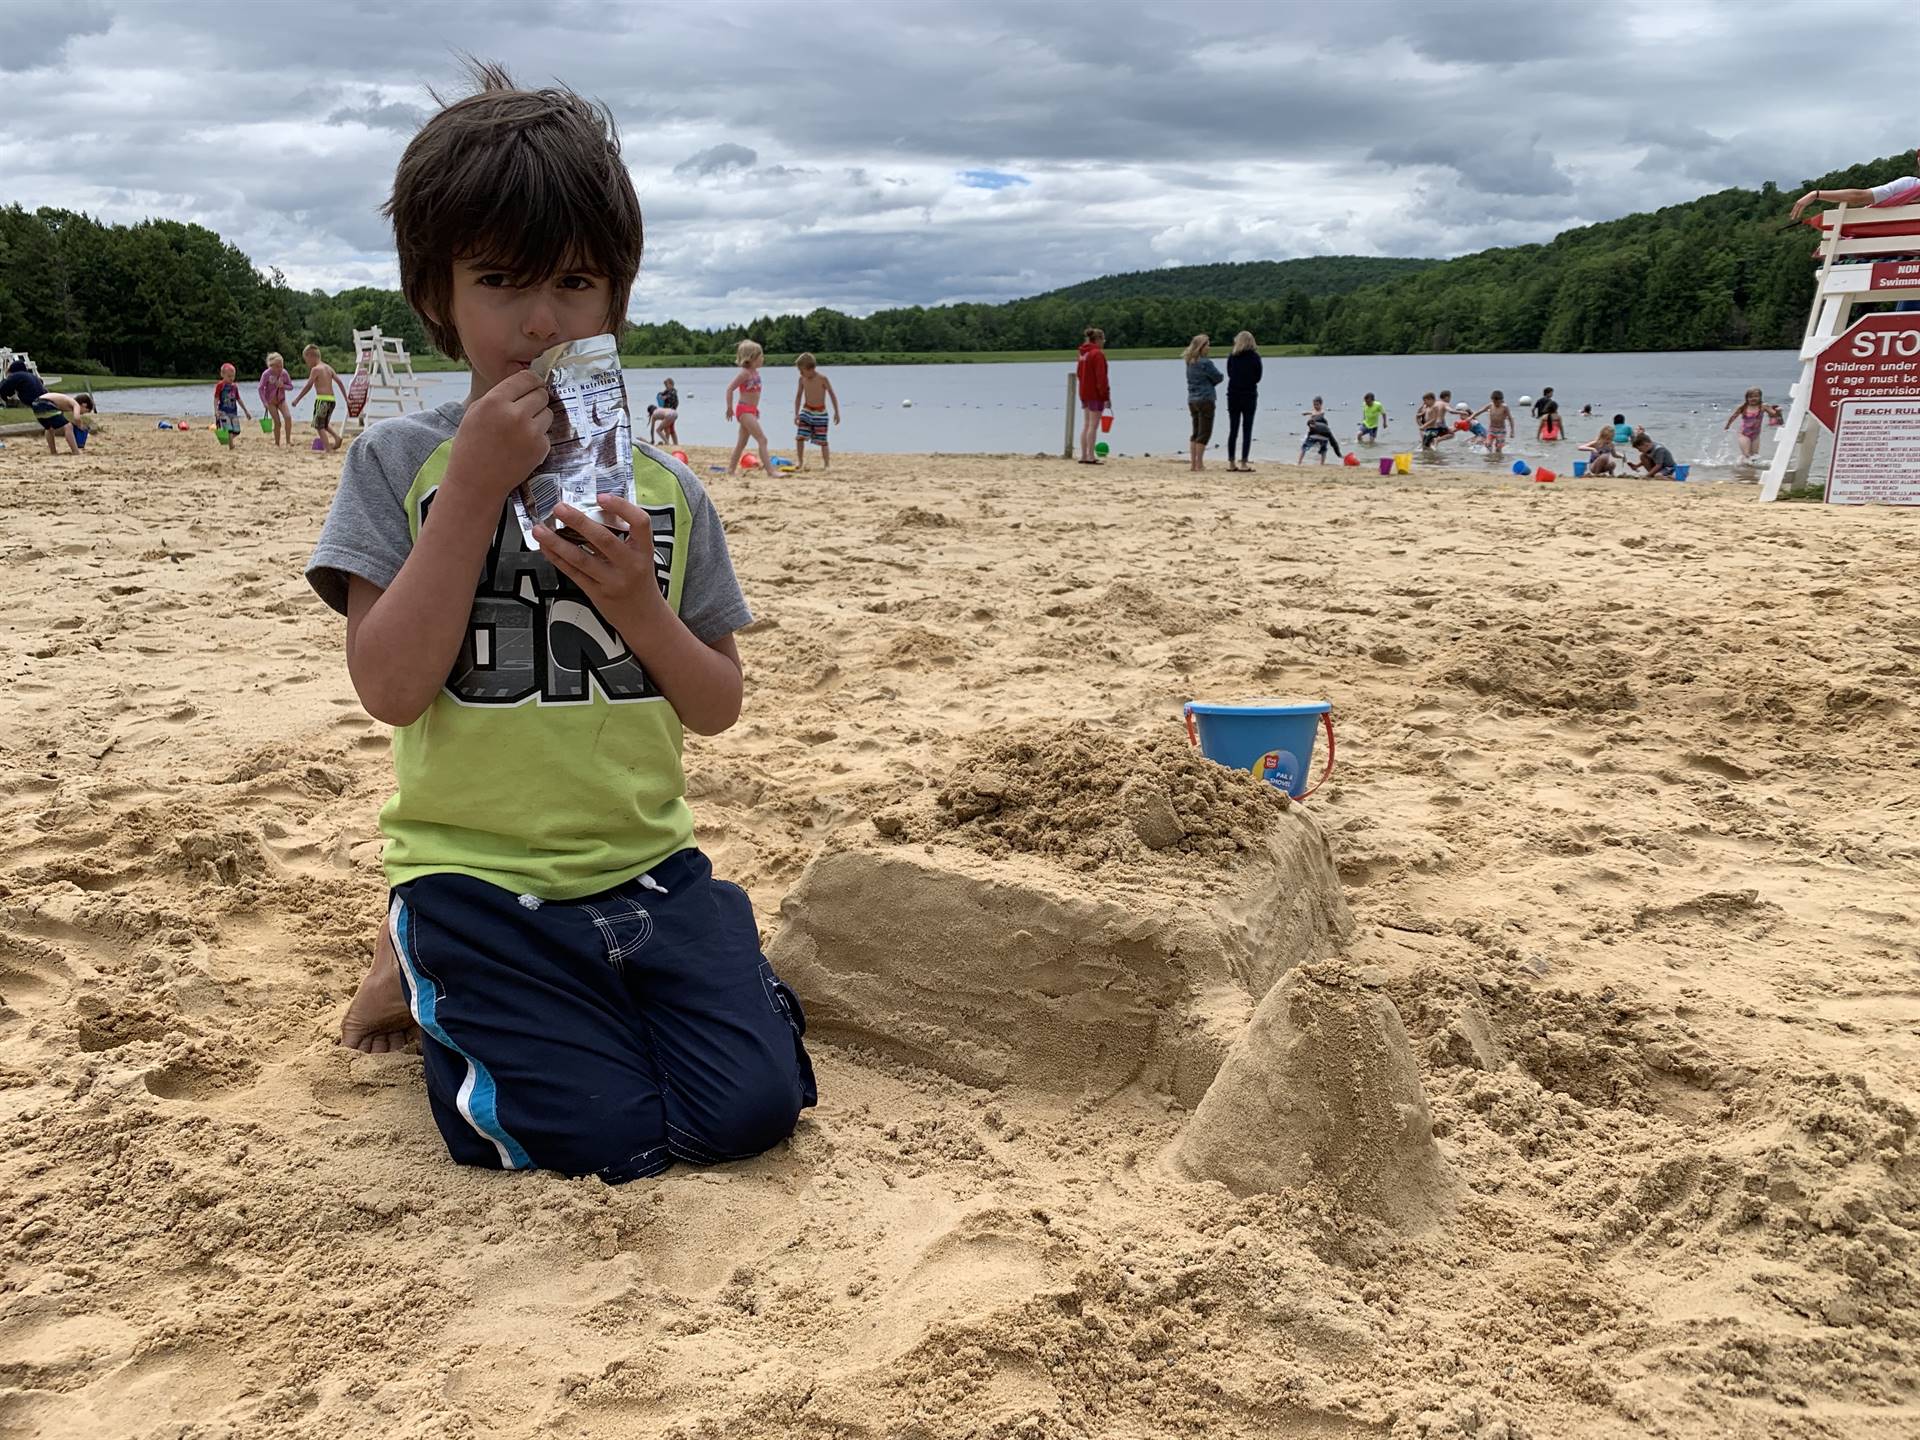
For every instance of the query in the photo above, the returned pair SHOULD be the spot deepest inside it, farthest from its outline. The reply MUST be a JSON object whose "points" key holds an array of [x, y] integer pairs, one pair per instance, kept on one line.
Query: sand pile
{"points": [[1081, 911], [1320, 1092], [1629, 828]]}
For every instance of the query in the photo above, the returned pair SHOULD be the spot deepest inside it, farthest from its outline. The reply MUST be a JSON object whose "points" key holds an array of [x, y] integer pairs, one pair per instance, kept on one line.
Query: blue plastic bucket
{"points": [[1270, 739], [1579, 468], [1680, 471]]}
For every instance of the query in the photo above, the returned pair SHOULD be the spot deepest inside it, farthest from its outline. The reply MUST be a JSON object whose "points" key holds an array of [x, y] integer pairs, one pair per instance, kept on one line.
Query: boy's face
{"points": [[504, 327], [226, 372]]}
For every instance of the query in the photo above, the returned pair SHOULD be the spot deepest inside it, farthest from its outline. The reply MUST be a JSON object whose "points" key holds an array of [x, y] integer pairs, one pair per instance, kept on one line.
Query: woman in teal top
{"points": [[1622, 432], [1203, 378]]}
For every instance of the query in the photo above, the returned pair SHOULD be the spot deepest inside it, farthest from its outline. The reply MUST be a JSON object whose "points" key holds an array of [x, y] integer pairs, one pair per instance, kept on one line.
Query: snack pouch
{"points": [[590, 434]]}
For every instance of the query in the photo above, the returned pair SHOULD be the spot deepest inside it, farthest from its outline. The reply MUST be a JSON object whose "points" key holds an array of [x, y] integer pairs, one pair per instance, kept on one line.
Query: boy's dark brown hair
{"points": [[527, 182]]}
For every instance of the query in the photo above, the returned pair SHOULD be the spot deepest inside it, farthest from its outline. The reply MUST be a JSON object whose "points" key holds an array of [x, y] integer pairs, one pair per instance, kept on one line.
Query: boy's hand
{"points": [[617, 571], [503, 435]]}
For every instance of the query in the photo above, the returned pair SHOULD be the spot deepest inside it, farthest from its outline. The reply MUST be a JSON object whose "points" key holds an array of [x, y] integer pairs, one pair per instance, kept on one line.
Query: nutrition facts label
{"points": [[1876, 453]]}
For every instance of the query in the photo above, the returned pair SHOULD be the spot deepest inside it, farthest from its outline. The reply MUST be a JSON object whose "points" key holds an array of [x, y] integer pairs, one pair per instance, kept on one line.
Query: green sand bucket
{"points": [[266, 424]]}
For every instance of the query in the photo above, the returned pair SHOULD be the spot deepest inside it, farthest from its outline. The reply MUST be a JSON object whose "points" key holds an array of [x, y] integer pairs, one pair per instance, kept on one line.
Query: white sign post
{"points": [[1876, 453]]}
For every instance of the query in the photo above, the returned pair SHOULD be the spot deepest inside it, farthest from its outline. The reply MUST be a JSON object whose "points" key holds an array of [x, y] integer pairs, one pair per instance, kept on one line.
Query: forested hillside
{"points": [[1723, 270], [1316, 275], [166, 298]]}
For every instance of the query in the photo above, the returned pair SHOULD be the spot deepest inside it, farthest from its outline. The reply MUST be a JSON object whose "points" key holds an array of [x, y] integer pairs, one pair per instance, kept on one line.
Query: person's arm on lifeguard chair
{"points": [[1832, 197]]}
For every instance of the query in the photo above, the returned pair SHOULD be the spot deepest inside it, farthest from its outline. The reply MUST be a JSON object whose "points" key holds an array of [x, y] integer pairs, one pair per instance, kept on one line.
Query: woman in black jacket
{"points": [[1243, 395]]}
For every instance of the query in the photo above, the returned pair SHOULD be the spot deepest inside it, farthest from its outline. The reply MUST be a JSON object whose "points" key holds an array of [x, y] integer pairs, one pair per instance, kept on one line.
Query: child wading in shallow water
{"points": [[1752, 414], [810, 399], [747, 410], [590, 998]]}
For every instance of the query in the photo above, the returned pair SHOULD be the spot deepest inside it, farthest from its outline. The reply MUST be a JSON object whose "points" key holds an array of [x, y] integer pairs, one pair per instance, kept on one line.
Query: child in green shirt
{"points": [[590, 999]]}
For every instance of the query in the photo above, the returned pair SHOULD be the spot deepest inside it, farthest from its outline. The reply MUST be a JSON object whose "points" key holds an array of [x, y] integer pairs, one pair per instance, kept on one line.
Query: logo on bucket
{"points": [[1279, 767]]}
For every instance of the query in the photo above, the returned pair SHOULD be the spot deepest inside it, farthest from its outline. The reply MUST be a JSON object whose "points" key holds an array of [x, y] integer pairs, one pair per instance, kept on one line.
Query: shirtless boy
{"points": [[810, 400], [321, 378]]}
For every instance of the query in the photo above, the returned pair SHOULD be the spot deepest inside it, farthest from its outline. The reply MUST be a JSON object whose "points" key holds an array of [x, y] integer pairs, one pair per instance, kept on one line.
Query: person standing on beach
{"points": [[321, 378], [1243, 396], [746, 382], [227, 405], [590, 998], [1096, 399], [810, 400], [275, 381], [1203, 379]]}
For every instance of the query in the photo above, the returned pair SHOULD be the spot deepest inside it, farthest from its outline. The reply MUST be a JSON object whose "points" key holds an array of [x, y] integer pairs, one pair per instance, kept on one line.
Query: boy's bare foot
{"points": [[377, 1018]]}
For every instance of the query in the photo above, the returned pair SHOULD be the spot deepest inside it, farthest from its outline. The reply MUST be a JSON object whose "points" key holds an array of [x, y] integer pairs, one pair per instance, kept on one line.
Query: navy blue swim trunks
{"points": [[609, 1036]]}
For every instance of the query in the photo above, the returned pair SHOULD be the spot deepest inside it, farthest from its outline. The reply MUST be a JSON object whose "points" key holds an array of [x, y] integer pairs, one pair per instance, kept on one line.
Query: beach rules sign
{"points": [[1866, 391]]}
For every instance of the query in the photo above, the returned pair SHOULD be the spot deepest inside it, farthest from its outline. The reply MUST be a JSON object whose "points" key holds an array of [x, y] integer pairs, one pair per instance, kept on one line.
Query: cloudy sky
{"points": [[887, 152]]}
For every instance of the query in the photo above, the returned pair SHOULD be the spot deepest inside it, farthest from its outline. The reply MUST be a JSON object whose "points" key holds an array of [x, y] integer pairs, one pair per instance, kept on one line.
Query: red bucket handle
{"points": [[1326, 719]]}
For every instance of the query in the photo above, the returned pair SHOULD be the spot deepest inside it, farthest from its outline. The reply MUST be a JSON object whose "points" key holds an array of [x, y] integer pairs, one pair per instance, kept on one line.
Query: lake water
{"points": [[1682, 398]]}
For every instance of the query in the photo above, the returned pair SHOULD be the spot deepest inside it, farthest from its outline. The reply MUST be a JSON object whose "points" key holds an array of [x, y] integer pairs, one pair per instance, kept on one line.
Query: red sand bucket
{"points": [[1272, 739], [1106, 422]]}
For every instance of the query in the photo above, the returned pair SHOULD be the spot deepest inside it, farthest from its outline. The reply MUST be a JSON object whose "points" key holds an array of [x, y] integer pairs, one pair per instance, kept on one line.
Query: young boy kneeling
{"points": [[591, 999]]}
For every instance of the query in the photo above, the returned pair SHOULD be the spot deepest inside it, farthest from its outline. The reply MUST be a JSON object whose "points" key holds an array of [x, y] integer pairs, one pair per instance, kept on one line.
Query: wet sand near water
{"points": [[1625, 818]]}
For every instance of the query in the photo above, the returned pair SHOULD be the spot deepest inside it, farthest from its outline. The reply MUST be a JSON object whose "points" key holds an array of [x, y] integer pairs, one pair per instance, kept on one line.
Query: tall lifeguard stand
{"points": [[1866, 255], [391, 383]]}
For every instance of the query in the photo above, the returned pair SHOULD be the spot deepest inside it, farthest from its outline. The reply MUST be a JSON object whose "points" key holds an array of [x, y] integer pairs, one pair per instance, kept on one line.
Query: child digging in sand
{"points": [[591, 999], [746, 383], [321, 379], [810, 399]]}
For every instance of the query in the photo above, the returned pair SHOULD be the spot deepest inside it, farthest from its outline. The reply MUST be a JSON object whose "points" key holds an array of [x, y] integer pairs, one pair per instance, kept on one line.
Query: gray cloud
{"points": [[400, 118], [1148, 135], [717, 159], [36, 38]]}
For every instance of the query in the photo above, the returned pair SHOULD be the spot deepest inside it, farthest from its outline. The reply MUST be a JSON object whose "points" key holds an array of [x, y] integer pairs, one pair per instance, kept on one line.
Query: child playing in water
{"points": [[810, 399], [1434, 425], [275, 381], [747, 412], [1319, 433], [1622, 432], [321, 378], [663, 425], [227, 406], [1499, 422], [590, 998], [1373, 419], [1752, 414]]}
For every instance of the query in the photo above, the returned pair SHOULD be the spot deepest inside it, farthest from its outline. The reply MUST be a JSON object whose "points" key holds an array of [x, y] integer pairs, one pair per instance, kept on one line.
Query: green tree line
{"points": [[166, 298]]}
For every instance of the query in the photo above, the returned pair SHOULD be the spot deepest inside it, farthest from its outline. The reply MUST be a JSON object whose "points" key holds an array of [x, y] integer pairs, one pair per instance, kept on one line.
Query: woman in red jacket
{"points": [[1095, 398]]}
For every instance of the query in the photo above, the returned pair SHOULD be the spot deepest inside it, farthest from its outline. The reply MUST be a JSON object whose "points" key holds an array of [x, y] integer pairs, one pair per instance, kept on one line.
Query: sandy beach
{"points": [[1623, 828]]}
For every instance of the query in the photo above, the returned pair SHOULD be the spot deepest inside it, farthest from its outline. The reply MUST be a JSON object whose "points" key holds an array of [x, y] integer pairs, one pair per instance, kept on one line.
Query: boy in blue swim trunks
{"points": [[810, 400], [590, 998]]}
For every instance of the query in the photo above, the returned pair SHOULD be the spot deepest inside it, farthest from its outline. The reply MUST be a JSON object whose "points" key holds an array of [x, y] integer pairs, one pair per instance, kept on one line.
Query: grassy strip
{"points": [[933, 357]]}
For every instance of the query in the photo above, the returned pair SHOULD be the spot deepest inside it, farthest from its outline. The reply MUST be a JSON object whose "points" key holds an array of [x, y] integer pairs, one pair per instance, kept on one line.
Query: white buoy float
{"points": [[906, 404]]}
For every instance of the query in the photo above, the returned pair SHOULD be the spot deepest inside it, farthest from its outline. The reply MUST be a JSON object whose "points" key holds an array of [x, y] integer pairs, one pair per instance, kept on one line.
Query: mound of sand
{"points": [[1083, 911], [1321, 1092]]}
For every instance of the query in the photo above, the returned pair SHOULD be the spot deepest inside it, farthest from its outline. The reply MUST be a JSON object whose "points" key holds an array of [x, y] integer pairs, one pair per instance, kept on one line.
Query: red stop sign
{"points": [[1877, 359]]}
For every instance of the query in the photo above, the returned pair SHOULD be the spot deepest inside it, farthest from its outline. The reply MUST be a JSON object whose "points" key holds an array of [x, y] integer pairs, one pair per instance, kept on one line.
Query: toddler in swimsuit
{"points": [[227, 405], [275, 381], [1752, 414], [747, 409], [810, 400]]}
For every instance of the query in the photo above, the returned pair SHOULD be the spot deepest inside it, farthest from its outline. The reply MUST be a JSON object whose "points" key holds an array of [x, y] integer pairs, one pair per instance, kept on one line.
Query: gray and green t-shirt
{"points": [[549, 763]]}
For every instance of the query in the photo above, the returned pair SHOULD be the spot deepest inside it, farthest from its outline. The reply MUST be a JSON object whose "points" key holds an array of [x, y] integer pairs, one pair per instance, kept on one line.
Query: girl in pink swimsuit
{"points": [[275, 381], [747, 410], [1751, 414]]}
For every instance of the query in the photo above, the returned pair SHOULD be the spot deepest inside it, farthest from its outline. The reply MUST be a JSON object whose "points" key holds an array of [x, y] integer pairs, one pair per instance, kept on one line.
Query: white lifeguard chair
{"points": [[392, 387], [1866, 256]]}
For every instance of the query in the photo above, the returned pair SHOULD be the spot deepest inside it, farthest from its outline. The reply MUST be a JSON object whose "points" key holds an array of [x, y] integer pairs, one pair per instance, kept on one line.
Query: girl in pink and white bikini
{"points": [[747, 411]]}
